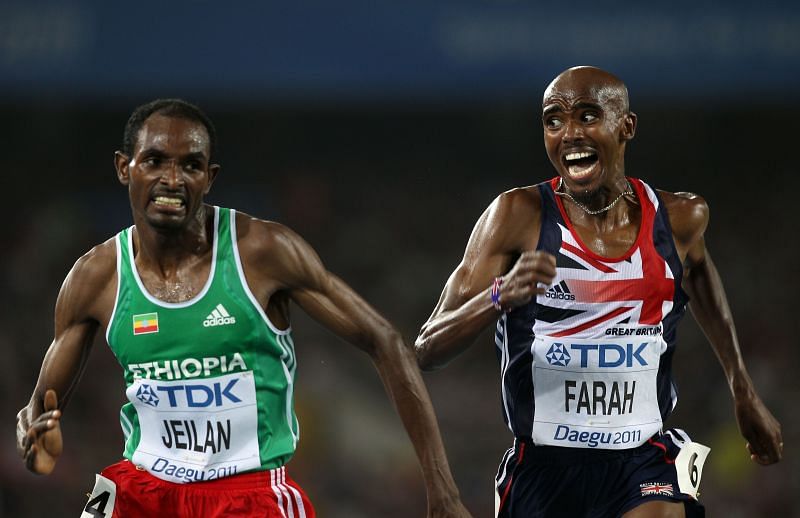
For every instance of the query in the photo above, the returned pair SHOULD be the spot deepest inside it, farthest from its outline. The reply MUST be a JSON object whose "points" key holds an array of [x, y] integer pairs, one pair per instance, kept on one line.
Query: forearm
{"points": [[709, 304], [397, 368], [450, 333], [61, 369], [64, 364], [711, 310]]}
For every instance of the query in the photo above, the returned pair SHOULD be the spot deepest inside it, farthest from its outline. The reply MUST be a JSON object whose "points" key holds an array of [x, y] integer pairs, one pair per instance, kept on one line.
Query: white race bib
{"points": [[101, 500], [198, 429], [689, 465], [596, 393]]}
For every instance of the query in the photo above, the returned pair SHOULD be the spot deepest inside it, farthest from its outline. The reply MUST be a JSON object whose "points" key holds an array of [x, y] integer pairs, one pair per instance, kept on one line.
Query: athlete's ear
{"points": [[121, 161], [213, 170], [628, 126]]}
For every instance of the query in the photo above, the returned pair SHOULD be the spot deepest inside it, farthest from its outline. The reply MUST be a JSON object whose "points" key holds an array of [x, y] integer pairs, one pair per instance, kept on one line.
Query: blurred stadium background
{"points": [[380, 131]]}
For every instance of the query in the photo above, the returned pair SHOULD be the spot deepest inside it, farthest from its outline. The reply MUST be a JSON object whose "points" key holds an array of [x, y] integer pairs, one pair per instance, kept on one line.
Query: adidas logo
{"points": [[219, 317], [560, 291]]}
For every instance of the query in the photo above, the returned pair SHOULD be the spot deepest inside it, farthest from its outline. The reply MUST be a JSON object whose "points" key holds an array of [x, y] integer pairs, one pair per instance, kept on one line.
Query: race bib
{"points": [[101, 500], [198, 429], [689, 466], [596, 394]]}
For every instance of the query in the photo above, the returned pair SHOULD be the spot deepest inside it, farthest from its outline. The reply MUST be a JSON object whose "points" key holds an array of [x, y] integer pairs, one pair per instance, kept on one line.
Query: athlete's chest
{"points": [[178, 284], [615, 243], [593, 295], [205, 332], [197, 313]]}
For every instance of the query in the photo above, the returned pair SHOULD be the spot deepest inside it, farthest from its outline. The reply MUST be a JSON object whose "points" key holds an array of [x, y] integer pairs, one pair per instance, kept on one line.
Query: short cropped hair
{"points": [[169, 108]]}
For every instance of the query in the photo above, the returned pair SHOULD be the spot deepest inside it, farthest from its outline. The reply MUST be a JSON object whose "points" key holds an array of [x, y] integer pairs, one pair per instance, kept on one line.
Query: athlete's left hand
{"points": [[448, 509], [760, 428], [40, 442]]}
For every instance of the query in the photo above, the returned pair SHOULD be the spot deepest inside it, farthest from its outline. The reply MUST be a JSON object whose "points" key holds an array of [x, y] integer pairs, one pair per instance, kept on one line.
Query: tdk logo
{"points": [[560, 292], [558, 355], [611, 355], [147, 396], [219, 317], [200, 396]]}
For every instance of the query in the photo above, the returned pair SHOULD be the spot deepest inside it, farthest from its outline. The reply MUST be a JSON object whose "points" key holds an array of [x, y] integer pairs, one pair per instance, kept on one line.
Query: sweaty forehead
{"points": [[569, 89], [173, 134]]}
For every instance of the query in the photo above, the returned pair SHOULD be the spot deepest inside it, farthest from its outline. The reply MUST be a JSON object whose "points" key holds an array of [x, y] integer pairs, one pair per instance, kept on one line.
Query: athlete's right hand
{"points": [[530, 276], [40, 442]]}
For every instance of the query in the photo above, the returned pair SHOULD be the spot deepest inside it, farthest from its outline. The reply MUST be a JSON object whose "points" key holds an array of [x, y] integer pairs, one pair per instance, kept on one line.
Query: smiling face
{"points": [[586, 125], [169, 172]]}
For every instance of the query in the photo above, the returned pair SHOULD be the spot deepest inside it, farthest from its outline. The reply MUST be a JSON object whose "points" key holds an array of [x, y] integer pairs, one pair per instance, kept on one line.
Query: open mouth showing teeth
{"points": [[166, 201], [580, 163]]}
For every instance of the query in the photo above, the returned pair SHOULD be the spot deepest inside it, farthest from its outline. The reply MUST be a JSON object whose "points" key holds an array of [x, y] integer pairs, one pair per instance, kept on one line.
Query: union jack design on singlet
{"points": [[593, 299]]}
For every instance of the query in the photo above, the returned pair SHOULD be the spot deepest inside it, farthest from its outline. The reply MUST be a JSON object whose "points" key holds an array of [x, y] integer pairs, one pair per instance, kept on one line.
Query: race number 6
{"points": [[694, 476], [689, 464]]}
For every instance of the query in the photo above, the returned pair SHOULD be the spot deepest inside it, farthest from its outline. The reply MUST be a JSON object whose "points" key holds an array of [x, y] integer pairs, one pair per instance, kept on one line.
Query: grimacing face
{"points": [[586, 125], [169, 173]]}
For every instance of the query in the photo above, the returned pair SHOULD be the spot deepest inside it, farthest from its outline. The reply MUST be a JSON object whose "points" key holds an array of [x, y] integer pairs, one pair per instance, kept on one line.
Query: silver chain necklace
{"points": [[586, 209]]}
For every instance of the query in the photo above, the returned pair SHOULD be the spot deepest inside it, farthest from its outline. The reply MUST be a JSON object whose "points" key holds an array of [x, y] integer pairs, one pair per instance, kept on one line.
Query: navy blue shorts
{"points": [[550, 481]]}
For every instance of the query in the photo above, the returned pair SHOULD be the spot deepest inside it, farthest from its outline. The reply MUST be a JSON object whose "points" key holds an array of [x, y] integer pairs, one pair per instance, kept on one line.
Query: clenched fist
{"points": [[530, 276]]}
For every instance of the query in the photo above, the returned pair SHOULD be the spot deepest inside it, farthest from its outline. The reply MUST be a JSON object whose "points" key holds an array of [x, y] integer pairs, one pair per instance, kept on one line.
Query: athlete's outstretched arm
{"points": [[39, 438], [330, 301], [709, 305], [505, 235]]}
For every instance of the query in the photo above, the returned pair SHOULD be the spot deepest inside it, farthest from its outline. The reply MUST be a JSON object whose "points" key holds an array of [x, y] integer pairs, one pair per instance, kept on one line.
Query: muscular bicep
{"points": [[696, 255], [324, 296], [702, 281], [689, 221], [336, 306], [502, 232], [472, 276], [703, 284], [695, 272]]}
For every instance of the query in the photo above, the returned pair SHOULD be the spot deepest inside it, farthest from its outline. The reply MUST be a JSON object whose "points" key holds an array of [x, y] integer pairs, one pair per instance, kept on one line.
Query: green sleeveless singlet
{"points": [[209, 380]]}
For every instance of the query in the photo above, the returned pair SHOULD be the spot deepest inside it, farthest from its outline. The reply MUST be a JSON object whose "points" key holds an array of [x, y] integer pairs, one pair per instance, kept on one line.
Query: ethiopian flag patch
{"points": [[146, 323]]}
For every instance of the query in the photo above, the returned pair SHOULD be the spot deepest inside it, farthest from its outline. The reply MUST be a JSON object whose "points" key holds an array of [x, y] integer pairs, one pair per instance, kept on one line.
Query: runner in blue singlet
{"points": [[587, 276]]}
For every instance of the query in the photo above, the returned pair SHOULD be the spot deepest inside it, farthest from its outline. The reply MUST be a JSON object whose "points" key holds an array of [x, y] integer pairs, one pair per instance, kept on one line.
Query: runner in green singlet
{"points": [[193, 301]]}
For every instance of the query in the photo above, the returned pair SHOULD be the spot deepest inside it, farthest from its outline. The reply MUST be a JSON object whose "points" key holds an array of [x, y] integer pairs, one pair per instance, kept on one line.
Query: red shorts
{"points": [[134, 493]]}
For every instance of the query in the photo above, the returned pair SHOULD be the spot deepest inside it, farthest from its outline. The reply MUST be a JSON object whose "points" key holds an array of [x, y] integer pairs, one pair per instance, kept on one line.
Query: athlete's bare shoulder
{"points": [[521, 201], [88, 290], [260, 238], [277, 256], [688, 215], [97, 266], [513, 219]]}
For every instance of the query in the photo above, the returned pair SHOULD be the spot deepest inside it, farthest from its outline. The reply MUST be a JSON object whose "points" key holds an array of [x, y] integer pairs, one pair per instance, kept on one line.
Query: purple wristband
{"points": [[498, 281]]}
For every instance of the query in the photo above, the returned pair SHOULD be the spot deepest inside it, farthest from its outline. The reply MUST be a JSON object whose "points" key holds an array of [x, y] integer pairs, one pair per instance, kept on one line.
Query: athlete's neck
{"points": [[623, 212], [165, 249], [598, 198]]}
